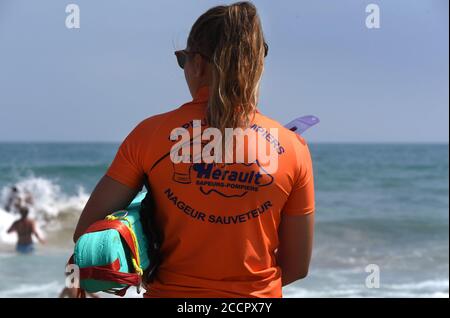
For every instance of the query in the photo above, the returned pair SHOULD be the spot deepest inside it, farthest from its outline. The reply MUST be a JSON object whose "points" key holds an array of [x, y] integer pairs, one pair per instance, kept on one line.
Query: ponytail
{"points": [[231, 36]]}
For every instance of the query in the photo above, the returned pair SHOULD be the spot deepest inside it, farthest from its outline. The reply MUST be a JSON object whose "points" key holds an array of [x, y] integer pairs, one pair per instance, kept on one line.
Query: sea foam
{"points": [[53, 209]]}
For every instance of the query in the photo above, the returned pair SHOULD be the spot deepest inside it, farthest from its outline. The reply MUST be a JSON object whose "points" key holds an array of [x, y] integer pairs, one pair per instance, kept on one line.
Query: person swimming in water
{"points": [[16, 200], [25, 228], [13, 200]]}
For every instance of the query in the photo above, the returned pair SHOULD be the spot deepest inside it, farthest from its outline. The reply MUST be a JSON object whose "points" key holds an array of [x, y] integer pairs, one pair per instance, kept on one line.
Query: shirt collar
{"points": [[202, 96]]}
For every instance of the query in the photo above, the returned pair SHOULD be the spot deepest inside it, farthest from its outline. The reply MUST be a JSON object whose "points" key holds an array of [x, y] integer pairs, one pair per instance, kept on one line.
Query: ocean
{"points": [[382, 206]]}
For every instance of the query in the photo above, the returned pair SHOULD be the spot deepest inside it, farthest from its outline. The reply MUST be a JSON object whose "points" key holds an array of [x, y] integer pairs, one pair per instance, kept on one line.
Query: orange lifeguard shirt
{"points": [[219, 221]]}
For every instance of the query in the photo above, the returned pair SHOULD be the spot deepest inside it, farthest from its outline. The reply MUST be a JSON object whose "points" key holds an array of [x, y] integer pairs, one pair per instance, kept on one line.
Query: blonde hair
{"points": [[232, 38]]}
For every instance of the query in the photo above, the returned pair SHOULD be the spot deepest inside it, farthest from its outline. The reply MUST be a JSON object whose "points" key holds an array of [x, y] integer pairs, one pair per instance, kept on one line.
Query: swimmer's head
{"points": [[23, 210]]}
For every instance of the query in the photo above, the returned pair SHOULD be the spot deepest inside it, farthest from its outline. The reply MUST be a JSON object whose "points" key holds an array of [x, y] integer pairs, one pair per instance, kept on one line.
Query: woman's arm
{"points": [[108, 196], [296, 234]]}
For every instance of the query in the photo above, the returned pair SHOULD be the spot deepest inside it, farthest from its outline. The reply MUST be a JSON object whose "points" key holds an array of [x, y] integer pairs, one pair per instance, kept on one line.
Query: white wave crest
{"points": [[50, 207]]}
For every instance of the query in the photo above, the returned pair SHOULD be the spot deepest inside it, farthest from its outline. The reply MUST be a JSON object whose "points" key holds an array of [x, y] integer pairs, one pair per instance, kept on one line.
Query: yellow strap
{"points": [[136, 262]]}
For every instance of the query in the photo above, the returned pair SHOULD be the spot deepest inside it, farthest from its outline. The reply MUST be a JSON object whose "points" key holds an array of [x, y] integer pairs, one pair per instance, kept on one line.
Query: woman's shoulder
{"points": [[285, 134], [294, 147], [157, 119], [155, 122]]}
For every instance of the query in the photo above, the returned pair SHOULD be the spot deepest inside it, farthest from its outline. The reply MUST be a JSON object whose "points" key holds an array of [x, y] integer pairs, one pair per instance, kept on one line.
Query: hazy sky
{"points": [[97, 82]]}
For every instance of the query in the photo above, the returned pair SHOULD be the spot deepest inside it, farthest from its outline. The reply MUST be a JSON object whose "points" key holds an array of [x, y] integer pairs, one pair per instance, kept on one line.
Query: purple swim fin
{"points": [[302, 124]]}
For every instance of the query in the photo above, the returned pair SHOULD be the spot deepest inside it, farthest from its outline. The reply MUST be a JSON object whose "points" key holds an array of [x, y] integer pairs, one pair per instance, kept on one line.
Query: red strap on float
{"points": [[110, 272]]}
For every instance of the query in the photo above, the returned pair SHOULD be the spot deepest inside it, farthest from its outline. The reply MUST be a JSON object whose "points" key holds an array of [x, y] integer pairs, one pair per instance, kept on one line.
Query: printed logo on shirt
{"points": [[236, 145], [227, 180]]}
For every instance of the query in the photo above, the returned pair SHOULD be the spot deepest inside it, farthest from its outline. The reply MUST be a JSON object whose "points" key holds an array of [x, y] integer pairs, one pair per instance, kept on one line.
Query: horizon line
{"points": [[309, 142]]}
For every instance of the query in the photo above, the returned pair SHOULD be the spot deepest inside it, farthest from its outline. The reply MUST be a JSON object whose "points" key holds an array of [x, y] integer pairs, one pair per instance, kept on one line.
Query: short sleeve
{"points": [[301, 200], [126, 167]]}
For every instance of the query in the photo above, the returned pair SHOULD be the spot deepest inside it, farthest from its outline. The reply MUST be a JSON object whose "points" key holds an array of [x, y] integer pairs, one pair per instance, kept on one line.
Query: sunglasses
{"points": [[182, 55]]}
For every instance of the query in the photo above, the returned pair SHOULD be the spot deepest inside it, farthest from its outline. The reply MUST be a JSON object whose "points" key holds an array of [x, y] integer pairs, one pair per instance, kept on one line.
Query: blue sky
{"points": [[97, 82]]}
